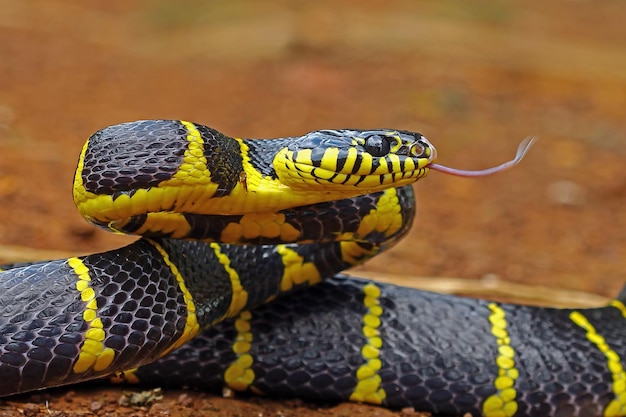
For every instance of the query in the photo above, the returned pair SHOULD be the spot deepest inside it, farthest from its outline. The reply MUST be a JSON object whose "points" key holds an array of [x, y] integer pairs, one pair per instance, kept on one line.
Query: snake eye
{"points": [[377, 145]]}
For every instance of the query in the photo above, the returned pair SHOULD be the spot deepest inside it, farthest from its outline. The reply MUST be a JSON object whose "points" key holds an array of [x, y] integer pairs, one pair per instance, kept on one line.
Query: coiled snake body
{"points": [[266, 218]]}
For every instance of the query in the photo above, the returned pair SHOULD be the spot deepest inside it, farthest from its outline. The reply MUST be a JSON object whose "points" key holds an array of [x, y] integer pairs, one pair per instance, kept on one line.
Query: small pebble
{"points": [[140, 399], [95, 405]]}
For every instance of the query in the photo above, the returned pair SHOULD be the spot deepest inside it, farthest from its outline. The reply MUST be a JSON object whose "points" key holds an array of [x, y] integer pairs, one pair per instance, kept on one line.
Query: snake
{"points": [[236, 282]]}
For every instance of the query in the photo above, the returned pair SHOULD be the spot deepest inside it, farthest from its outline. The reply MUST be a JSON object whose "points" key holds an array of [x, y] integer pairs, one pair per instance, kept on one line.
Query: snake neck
{"points": [[162, 172]]}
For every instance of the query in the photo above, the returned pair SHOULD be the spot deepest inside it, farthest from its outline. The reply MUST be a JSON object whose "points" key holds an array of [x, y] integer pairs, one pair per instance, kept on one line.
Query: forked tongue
{"points": [[522, 149]]}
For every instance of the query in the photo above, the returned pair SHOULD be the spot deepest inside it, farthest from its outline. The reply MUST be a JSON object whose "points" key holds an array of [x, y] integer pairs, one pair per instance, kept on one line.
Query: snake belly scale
{"points": [[269, 217]]}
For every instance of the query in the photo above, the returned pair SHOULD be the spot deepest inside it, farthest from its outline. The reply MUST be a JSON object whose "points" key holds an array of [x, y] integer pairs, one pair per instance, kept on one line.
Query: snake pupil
{"points": [[377, 145]]}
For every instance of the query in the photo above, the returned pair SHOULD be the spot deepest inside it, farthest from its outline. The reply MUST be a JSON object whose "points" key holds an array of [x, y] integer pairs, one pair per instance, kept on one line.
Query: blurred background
{"points": [[475, 77]]}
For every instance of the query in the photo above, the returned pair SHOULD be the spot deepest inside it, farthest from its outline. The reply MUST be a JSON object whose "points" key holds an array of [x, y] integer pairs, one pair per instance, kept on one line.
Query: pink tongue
{"points": [[522, 149]]}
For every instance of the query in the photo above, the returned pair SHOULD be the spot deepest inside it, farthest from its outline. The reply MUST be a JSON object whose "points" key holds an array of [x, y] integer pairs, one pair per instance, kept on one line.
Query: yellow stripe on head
{"points": [[351, 160]]}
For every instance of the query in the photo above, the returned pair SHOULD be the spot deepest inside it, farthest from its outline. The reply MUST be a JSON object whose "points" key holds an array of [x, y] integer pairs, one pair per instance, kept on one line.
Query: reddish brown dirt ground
{"points": [[474, 77]]}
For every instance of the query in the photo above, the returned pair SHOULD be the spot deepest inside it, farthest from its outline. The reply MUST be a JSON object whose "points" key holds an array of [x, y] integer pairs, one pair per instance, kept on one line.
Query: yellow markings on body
{"points": [[240, 295], [80, 194], [502, 403], [190, 186], [255, 225], [296, 271], [257, 182], [355, 254], [368, 386], [263, 193], [166, 223], [619, 388], [620, 306], [385, 218], [617, 407], [191, 325], [128, 376], [93, 354], [239, 374], [191, 190], [193, 169]]}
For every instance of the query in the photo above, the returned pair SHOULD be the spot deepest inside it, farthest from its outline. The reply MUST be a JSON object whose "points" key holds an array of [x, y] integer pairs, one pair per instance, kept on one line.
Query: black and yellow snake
{"points": [[263, 218]]}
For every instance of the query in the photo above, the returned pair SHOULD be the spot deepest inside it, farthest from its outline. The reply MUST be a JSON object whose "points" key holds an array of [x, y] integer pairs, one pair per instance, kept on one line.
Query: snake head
{"points": [[369, 160]]}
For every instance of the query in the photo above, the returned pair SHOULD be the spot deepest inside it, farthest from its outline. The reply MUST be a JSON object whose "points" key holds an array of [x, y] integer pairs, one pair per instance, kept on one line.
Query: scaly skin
{"points": [[344, 195]]}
